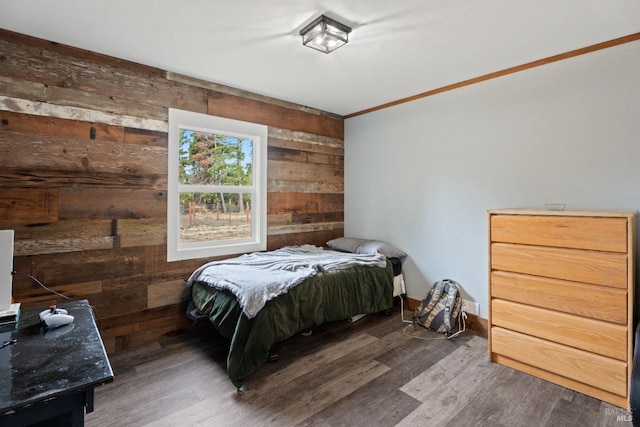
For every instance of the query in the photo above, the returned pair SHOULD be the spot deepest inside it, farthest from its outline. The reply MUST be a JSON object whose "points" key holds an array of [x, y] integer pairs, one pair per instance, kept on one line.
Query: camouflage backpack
{"points": [[440, 308]]}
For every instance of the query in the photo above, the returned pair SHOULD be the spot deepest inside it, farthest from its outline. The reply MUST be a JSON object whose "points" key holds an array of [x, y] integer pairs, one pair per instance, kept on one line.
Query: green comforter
{"points": [[325, 297]]}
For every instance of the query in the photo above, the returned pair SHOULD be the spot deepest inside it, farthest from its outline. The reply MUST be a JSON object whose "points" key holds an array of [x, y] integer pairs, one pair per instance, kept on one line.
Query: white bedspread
{"points": [[260, 276]]}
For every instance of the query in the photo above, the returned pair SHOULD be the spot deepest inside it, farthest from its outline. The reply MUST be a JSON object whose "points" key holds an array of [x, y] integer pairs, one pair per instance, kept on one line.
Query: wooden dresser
{"points": [[561, 290]]}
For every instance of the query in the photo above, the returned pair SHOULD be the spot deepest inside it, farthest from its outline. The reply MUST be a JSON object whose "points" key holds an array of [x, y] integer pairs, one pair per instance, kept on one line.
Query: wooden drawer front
{"points": [[598, 371], [591, 335], [599, 268], [603, 234], [597, 302]]}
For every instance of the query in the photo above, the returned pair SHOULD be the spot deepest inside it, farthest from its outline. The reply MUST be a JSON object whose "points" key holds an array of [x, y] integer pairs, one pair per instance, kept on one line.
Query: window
{"points": [[217, 186]]}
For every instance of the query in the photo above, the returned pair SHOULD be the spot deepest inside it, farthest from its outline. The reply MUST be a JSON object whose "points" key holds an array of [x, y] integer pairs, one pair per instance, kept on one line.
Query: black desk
{"points": [[49, 376]]}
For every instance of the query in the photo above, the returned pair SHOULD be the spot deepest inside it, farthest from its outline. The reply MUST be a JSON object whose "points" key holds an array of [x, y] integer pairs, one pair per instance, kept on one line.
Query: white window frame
{"points": [[188, 120]]}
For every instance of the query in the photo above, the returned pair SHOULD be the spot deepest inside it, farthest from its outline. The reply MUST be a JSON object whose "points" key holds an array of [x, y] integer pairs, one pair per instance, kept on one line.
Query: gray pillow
{"points": [[366, 246]]}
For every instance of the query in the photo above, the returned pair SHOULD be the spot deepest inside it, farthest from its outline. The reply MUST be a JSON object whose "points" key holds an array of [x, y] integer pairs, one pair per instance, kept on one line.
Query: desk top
{"points": [[45, 364]]}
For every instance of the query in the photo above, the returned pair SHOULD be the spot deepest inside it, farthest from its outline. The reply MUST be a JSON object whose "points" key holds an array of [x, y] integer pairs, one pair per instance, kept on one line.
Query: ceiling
{"points": [[397, 49]]}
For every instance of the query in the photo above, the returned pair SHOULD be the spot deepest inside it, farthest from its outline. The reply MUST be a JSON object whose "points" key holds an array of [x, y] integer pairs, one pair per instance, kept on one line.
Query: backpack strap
{"points": [[450, 302], [438, 289]]}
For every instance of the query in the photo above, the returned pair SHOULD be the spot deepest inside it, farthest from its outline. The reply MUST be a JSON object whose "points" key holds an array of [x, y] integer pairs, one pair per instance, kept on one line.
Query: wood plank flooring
{"points": [[367, 373]]}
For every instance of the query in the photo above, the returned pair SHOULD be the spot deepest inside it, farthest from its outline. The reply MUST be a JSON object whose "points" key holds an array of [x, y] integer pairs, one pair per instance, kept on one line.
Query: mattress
{"points": [[325, 297]]}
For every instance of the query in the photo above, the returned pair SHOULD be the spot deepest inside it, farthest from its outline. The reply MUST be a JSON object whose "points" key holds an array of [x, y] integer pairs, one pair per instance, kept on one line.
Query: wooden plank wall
{"points": [[83, 178]]}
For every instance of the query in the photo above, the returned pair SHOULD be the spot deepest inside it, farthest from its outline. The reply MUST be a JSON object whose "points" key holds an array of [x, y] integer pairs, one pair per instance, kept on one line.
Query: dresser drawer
{"points": [[596, 336], [588, 368], [601, 234], [599, 268], [592, 301]]}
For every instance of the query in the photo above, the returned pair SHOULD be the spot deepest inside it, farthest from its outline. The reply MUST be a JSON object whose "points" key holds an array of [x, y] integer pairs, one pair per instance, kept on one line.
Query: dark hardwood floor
{"points": [[367, 373]]}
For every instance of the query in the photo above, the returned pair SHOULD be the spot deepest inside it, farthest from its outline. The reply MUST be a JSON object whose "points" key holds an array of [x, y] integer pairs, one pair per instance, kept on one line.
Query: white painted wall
{"points": [[422, 175]]}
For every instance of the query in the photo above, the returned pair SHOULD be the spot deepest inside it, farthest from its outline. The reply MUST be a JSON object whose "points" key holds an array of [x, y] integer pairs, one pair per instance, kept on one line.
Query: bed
{"points": [[351, 277]]}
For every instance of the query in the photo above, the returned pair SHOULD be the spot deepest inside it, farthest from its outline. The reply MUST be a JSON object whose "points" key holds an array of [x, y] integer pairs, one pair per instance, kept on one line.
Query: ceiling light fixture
{"points": [[325, 34]]}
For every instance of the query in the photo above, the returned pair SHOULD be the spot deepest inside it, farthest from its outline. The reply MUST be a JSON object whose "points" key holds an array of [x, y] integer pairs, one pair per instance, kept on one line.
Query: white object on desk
{"points": [[8, 310]]}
